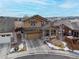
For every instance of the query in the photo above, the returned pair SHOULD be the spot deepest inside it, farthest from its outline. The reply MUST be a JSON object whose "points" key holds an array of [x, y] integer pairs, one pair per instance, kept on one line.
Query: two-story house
{"points": [[33, 26]]}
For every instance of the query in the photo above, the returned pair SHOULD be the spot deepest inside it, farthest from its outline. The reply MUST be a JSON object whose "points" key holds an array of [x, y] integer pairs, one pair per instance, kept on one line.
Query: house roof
{"points": [[59, 22], [69, 24], [73, 25], [36, 17]]}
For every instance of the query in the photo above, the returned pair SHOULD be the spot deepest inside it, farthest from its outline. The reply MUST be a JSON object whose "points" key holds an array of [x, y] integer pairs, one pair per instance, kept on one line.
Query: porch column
{"points": [[49, 29], [57, 33], [43, 33], [15, 36], [26, 36], [23, 37], [50, 32], [61, 33]]}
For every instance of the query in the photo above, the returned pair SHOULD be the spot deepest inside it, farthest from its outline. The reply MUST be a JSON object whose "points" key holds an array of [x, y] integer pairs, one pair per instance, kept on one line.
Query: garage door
{"points": [[36, 35]]}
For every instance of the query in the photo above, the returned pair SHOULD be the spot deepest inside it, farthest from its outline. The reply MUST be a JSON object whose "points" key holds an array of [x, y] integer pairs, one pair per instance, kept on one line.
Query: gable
{"points": [[36, 18]]}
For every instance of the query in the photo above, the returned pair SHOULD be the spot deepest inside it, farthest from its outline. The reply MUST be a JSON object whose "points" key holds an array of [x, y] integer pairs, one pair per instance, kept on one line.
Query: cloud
{"points": [[19, 7], [11, 13], [42, 2], [68, 4], [43, 7]]}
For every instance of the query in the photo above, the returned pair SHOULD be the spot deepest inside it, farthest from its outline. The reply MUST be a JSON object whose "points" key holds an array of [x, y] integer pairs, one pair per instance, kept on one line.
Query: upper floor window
{"points": [[32, 23], [42, 23], [53, 32]]}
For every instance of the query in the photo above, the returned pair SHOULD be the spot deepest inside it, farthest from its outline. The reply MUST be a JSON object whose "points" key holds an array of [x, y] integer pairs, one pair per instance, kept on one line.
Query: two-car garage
{"points": [[34, 35]]}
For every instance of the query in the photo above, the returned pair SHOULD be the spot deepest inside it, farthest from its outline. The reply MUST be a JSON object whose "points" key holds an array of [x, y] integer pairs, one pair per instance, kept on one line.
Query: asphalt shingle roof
{"points": [[69, 24]]}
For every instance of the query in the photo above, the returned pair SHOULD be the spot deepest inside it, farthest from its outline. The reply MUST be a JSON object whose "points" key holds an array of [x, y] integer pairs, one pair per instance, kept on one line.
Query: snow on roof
{"points": [[73, 25], [68, 23]]}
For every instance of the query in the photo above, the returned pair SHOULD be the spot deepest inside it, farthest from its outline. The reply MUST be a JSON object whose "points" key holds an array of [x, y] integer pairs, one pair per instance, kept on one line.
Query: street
{"points": [[44, 56]]}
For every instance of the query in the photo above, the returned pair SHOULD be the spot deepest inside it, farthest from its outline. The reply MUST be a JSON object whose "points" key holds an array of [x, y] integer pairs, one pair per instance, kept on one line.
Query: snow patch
{"points": [[52, 46], [56, 47], [76, 51]]}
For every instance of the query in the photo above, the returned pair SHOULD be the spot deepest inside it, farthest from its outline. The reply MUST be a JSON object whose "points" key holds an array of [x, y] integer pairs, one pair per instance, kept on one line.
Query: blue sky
{"points": [[41, 7]]}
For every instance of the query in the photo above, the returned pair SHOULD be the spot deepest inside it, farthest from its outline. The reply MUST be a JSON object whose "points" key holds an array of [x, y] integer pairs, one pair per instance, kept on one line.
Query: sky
{"points": [[45, 8]]}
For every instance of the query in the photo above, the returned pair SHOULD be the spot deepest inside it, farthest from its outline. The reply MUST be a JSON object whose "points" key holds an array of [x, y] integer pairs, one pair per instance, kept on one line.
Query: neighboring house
{"points": [[59, 28], [5, 38], [71, 34], [7, 24], [18, 30], [7, 27], [18, 24], [33, 26], [68, 31]]}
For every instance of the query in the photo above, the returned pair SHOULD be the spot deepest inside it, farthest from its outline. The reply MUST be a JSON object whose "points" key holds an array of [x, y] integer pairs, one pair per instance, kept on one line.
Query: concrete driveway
{"points": [[36, 49], [34, 46]]}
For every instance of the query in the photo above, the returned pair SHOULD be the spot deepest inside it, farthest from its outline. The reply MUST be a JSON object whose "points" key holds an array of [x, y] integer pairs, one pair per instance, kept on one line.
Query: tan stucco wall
{"points": [[38, 23]]}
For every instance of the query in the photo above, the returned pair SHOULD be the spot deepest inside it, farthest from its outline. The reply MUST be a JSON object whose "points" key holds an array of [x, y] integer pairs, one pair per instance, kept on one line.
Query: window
{"points": [[53, 32], [20, 19], [76, 34], [33, 23], [70, 33], [8, 35], [3, 35], [47, 33]]}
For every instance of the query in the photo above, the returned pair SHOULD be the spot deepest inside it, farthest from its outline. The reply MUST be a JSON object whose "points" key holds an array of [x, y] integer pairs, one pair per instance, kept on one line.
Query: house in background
{"points": [[7, 24], [18, 23], [7, 27], [6, 31], [18, 30]]}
